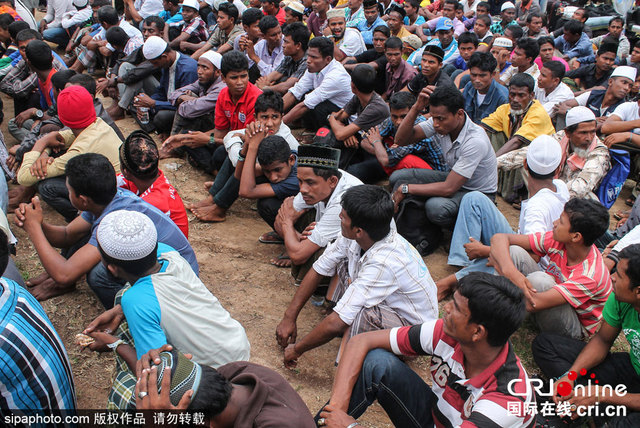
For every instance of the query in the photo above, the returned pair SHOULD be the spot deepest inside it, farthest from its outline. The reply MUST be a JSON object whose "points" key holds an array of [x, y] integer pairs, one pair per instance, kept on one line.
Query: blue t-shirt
{"points": [[168, 232], [289, 186], [419, 21]]}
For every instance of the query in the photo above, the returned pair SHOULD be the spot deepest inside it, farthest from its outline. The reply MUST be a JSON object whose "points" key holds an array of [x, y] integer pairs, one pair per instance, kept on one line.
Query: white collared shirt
{"points": [[331, 83], [390, 272], [172, 74], [268, 61], [560, 94], [328, 215]]}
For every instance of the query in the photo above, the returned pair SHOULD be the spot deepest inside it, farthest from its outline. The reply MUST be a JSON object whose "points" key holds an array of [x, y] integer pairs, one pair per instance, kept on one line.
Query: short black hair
{"points": [[632, 254], [363, 78], [468, 38], [17, 26], [533, 15], [213, 393], [370, 208], [272, 149], [269, 100], [483, 4], [60, 79], [39, 55], [93, 176], [585, 12], [233, 61], [587, 217], [393, 43], [323, 44], [139, 155], [608, 47], [268, 22], [448, 96], [28, 34], [556, 67], [523, 80], [495, 303], [516, 31], [133, 267], [530, 47], [484, 18], [156, 20], [397, 8], [618, 19], [100, 3], [117, 36], [327, 173], [401, 100], [4, 251], [230, 10], [251, 16], [537, 176], [86, 81], [484, 61], [414, 3], [5, 20], [573, 26], [383, 29], [299, 33], [546, 39], [108, 15]]}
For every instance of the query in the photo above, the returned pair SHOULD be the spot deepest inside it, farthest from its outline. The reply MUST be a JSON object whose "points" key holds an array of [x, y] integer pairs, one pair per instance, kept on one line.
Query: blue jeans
{"points": [[4, 193], [441, 211], [56, 35], [478, 218], [403, 394]]}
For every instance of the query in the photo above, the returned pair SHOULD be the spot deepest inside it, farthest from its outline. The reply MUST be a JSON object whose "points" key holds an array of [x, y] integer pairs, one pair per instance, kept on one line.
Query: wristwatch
{"points": [[404, 189], [113, 346], [39, 114]]}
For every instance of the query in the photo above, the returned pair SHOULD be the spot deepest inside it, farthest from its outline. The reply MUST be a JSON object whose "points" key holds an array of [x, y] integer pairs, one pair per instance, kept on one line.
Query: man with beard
{"points": [[347, 41], [585, 157]]}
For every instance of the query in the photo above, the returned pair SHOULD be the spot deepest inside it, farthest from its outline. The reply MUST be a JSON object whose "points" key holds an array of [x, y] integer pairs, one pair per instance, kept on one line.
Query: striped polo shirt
{"points": [[35, 374]]}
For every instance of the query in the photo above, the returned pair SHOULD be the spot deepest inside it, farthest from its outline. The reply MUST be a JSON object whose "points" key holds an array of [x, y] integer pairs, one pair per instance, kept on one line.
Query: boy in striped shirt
{"points": [[566, 298]]}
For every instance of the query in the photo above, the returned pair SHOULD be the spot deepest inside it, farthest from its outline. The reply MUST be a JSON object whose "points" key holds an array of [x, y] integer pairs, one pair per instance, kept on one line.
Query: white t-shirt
{"points": [[352, 43], [480, 97], [628, 111]]}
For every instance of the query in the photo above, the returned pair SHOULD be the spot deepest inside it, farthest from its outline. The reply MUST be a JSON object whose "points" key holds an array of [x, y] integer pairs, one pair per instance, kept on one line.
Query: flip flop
{"points": [[271, 238], [283, 256]]}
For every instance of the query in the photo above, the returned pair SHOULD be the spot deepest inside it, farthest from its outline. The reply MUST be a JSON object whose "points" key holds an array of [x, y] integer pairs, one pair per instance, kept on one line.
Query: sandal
{"points": [[284, 258], [630, 201], [271, 238]]}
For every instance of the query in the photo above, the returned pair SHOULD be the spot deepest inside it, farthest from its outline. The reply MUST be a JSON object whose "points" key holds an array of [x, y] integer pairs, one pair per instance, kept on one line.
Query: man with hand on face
{"points": [[431, 74], [347, 41]]}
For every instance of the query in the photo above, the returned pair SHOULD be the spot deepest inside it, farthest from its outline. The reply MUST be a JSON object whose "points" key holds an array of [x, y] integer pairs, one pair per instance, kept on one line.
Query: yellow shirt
{"points": [[402, 33], [535, 123], [96, 138]]}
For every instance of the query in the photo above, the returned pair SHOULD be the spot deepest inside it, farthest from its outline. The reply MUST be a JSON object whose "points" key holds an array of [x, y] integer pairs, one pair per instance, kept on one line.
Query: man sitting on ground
{"points": [[551, 91], [623, 124], [574, 43], [227, 28], [431, 73], [158, 277], [522, 61], [398, 72], [596, 74], [382, 281], [471, 356], [483, 94], [347, 41], [566, 297], [445, 40], [193, 31]]}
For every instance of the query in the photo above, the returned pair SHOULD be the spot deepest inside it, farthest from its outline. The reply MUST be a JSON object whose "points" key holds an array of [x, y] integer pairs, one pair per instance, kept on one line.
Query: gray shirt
{"points": [[371, 115], [470, 155]]}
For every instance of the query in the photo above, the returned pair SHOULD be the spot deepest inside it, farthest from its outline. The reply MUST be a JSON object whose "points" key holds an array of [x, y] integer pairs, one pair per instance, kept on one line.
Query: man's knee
{"points": [[441, 211], [399, 176], [379, 364], [541, 281]]}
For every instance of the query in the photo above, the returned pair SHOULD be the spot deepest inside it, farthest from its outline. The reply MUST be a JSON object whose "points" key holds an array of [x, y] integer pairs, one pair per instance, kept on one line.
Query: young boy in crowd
{"points": [[431, 73], [467, 45], [481, 30], [193, 32], [398, 72], [547, 50], [483, 94]]}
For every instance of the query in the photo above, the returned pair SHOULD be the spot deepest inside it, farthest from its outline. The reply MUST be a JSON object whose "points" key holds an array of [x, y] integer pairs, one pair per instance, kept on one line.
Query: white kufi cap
{"points": [[625, 71], [507, 5], [579, 114], [544, 155], [336, 13], [154, 47], [80, 3], [503, 42], [127, 235]]}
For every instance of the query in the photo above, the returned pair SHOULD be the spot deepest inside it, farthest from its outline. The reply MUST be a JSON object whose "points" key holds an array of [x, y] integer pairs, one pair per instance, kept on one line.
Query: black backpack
{"points": [[412, 224]]}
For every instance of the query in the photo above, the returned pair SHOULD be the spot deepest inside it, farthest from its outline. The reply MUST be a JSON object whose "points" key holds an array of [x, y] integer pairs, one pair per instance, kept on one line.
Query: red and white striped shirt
{"points": [[585, 286], [500, 396]]}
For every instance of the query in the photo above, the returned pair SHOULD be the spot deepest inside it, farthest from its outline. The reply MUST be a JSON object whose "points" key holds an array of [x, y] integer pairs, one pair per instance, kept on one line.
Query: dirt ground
{"points": [[235, 267]]}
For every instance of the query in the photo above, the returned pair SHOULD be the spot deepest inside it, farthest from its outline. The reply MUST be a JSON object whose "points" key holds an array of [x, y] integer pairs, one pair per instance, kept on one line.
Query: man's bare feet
{"points": [[206, 202], [282, 260], [19, 195], [116, 112], [32, 282], [211, 213], [167, 153], [208, 185], [49, 288], [446, 286]]}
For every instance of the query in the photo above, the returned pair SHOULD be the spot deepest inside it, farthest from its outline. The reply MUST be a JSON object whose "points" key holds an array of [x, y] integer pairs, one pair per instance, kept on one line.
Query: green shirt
{"points": [[624, 316]]}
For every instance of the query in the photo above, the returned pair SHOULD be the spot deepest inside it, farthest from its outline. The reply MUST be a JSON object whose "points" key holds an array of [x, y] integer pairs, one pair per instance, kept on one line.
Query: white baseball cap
{"points": [[544, 155], [194, 4]]}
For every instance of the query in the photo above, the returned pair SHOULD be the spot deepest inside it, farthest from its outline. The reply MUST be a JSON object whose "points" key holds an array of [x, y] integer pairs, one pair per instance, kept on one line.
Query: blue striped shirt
{"points": [[35, 374]]}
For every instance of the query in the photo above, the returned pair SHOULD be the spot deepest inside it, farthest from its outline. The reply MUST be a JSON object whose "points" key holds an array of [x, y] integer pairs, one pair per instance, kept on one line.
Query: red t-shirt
{"points": [[585, 286], [46, 87], [236, 116], [162, 195], [280, 16]]}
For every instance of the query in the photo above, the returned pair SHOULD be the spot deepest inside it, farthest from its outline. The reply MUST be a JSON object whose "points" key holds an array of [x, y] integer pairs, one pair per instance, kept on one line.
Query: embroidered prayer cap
{"points": [[313, 156], [435, 51], [503, 42], [413, 41], [335, 13], [127, 235], [579, 114], [544, 155], [625, 71], [193, 4], [154, 47], [185, 375], [507, 5], [296, 7], [214, 57], [444, 24], [139, 155]]}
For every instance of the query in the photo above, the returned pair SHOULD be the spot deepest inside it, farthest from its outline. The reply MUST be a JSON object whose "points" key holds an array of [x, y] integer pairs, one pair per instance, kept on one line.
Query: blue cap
{"points": [[444, 24]]}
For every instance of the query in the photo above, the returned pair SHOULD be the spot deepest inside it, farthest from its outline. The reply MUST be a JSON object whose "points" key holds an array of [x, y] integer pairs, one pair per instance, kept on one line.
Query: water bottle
{"points": [[144, 115], [317, 300]]}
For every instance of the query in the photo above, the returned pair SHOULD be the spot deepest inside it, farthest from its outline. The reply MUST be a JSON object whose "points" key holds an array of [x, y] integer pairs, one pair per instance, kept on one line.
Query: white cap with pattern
{"points": [[127, 235]]}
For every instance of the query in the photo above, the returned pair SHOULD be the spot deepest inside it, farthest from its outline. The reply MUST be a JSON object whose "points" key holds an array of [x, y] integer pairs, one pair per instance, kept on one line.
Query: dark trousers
{"points": [[226, 186], [403, 394], [163, 121], [55, 193], [317, 117], [366, 167], [268, 209], [207, 158], [181, 125], [20, 104]]}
